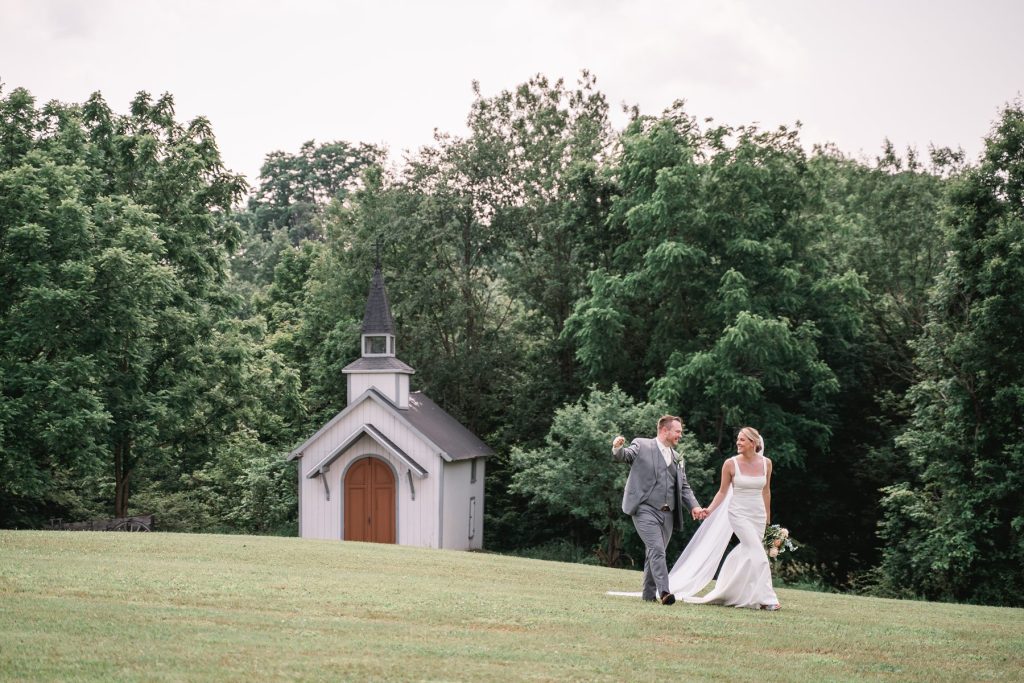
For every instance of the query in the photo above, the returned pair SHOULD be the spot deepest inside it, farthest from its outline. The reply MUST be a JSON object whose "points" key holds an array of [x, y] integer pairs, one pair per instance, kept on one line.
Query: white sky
{"points": [[273, 74]]}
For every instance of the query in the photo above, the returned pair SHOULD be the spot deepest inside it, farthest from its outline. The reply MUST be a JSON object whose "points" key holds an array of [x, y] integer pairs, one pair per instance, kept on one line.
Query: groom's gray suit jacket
{"points": [[643, 456]]}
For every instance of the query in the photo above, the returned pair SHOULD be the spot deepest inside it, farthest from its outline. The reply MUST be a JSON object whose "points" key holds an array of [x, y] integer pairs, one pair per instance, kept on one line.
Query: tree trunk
{"points": [[608, 553], [122, 475]]}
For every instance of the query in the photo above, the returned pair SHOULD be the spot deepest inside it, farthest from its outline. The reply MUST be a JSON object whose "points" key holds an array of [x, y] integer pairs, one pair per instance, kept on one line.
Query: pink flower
{"points": [[774, 552]]}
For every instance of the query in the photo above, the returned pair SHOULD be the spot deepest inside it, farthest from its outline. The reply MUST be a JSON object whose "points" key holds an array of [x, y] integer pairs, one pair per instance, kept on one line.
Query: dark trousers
{"points": [[655, 529]]}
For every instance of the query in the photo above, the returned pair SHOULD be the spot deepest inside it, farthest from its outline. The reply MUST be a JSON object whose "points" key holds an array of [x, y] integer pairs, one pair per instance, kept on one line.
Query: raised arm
{"points": [[627, 454]]}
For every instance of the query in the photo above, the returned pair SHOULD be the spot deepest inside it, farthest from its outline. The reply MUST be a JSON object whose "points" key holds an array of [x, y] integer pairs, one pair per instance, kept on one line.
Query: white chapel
{"points": [[392, 467]]}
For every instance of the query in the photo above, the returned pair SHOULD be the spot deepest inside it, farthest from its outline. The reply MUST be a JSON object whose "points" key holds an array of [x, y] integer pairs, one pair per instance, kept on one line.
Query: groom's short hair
{"points": [[666, 420]]}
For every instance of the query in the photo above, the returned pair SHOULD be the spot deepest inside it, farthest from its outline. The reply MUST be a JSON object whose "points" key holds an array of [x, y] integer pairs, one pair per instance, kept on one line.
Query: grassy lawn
{"points": [[155, 606]]}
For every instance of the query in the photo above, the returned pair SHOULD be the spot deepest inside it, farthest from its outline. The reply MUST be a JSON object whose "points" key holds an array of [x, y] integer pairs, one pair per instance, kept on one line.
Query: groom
{"points": [[656, 491]]}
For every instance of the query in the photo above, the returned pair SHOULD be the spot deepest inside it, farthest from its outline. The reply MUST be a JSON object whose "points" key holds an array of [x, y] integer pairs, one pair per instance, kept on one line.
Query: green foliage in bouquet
{"points": [[777, 541]]}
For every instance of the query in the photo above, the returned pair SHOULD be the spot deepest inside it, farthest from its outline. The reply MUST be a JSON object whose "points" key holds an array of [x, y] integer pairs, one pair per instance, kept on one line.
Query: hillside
{"points": [[122, 606]]}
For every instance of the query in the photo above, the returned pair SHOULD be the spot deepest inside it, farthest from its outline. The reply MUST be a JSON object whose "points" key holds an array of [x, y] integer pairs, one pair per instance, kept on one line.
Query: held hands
{"points": [[619, 440]]}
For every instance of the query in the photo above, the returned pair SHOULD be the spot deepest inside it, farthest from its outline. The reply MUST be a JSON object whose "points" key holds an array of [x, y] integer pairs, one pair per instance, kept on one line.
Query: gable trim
{"points": [[384, 402], [375, 434]]}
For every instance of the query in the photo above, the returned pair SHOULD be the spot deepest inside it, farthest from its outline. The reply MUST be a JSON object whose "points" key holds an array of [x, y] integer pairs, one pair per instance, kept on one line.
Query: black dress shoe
{"points": [[668, 599]]}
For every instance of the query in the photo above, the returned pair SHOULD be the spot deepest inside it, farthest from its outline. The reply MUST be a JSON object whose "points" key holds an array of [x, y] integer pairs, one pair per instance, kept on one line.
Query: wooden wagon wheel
{"points": [[131, 525]]}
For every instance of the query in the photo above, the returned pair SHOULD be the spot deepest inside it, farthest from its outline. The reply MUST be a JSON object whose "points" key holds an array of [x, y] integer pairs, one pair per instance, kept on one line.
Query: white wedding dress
{"points": [[745, 579]]}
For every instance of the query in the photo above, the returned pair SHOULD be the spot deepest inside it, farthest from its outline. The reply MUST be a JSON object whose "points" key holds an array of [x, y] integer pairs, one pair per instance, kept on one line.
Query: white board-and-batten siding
{"points": [[463, 513], [359, 383], [416, 517]]}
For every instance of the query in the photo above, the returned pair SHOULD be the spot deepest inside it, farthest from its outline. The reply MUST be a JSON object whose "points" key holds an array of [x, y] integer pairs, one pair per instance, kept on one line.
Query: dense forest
{"points": [[168, 334]]}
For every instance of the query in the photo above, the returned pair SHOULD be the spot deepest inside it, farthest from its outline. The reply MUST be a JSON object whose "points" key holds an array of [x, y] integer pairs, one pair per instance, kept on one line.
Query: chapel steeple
{"points": [[378, 338], [378, 367]]}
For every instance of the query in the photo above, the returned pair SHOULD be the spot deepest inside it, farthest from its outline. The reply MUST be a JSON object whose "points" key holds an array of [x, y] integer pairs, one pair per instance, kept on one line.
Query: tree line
{"points": [[167, 334]]}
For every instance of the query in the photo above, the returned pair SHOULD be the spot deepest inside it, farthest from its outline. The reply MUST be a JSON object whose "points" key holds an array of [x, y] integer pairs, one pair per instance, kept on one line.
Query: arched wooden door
{"points": [[370, 502]]}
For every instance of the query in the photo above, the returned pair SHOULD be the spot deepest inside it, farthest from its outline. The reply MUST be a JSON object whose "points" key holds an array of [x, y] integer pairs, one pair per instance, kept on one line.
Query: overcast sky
{"points": [[272, 74]]}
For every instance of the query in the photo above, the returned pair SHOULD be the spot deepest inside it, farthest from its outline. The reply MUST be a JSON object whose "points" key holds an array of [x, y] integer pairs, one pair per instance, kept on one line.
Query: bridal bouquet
{"points": [[777, 541]]}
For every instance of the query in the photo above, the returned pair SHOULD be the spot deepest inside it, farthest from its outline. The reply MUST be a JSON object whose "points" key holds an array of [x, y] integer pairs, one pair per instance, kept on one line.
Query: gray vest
{"points": [[664, 491]]}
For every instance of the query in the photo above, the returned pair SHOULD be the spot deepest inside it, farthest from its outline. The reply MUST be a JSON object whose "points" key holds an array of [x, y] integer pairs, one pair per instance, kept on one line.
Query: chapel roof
{"points": [[452, 439], [378, 364], [443, 429]]}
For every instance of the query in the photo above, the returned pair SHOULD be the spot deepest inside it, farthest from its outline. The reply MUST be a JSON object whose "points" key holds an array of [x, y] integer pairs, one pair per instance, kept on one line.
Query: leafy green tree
{"points": [[113, 338], [286, 209], [573, 472], [294, 189], [722, 293], [884, 221], [231, 477], [953, 529], [551, 142], [52, 416], [282, 305], [615, 309]]}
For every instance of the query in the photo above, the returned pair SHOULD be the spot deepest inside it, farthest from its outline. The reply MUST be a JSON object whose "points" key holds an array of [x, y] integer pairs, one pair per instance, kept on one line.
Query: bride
{"points": [[742, 507]]}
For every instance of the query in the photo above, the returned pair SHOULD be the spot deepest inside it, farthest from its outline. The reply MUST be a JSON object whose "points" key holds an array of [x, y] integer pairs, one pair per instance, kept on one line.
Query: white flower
{"points": [[784, 533], [774, 552]]}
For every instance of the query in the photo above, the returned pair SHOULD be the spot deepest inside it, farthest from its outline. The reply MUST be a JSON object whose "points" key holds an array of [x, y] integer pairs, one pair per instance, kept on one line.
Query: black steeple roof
{"points": [[377, 319]]}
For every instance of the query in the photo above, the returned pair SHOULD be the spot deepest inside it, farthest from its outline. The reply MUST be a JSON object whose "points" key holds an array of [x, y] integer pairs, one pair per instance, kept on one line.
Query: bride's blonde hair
{"points": [[754, 436]]}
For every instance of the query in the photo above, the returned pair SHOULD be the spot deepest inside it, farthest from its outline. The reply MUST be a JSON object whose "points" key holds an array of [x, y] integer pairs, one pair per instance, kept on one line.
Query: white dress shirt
{"points": [[666, 453]]}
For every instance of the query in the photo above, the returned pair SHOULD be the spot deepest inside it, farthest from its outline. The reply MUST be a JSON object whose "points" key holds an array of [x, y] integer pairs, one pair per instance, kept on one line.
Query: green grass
{"points": [[172, 607]]}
